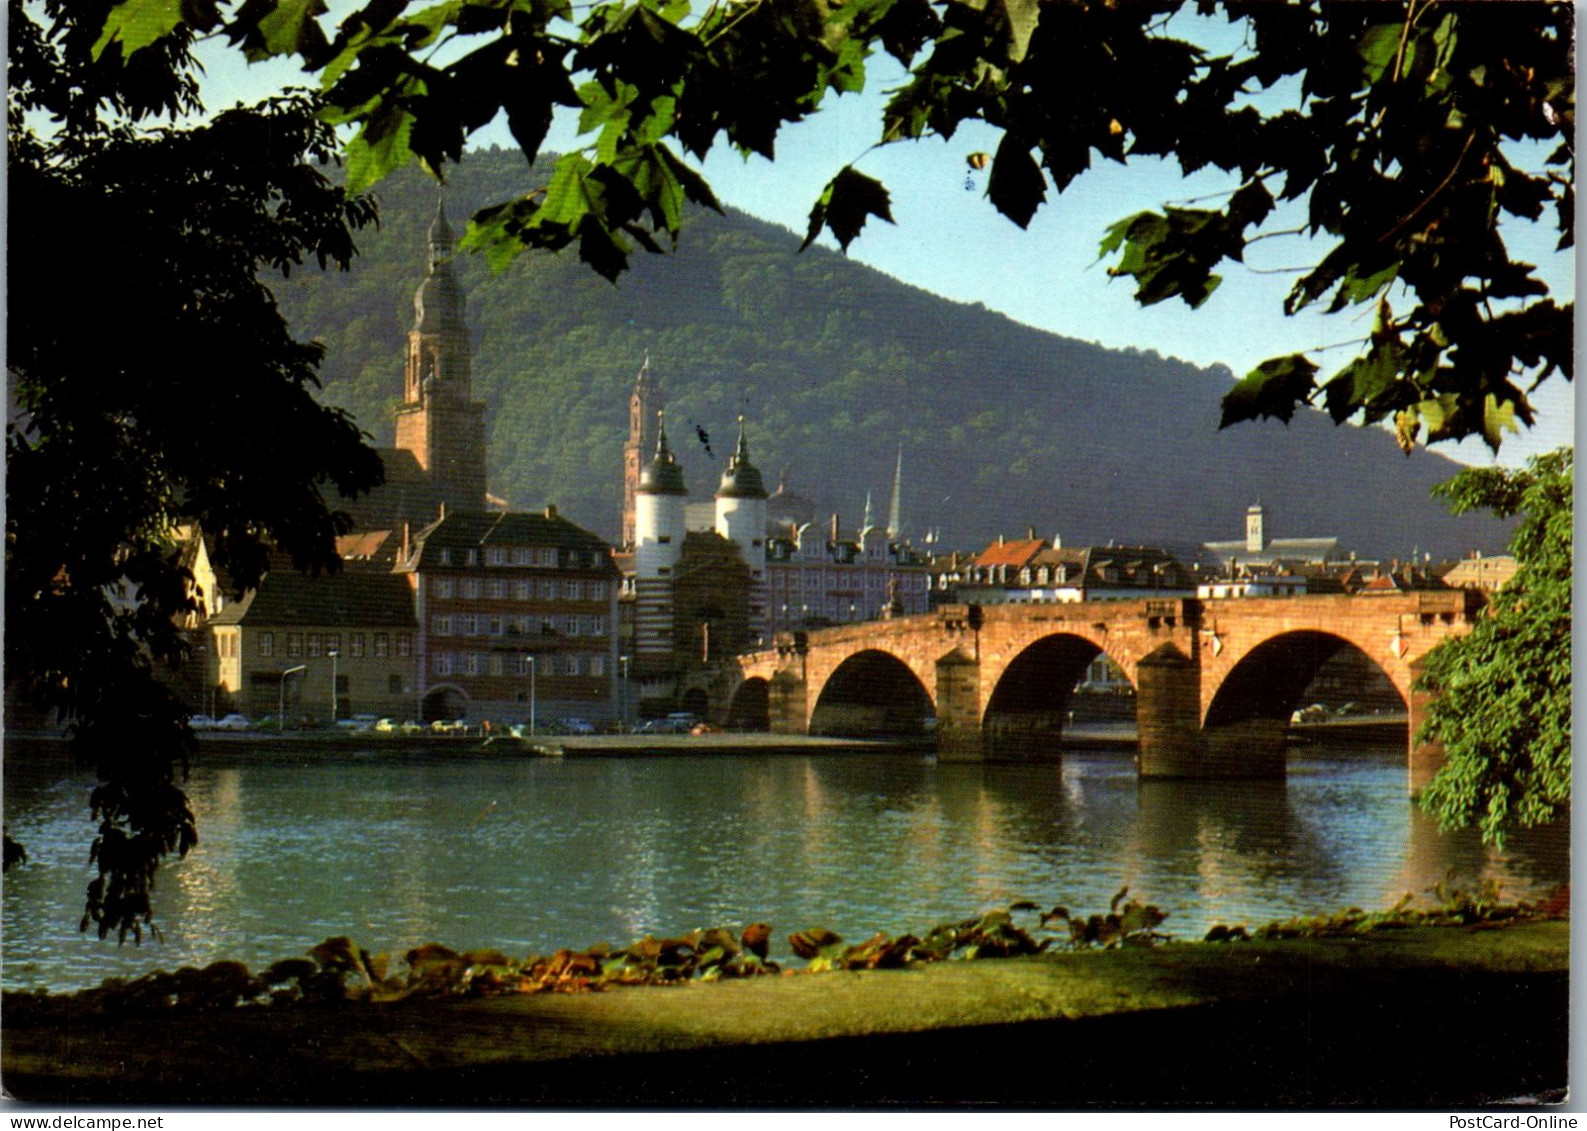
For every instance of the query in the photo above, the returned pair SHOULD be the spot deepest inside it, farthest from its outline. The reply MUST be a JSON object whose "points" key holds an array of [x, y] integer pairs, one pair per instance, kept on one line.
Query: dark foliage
{"points": [[1404, 132], [153, 384]]}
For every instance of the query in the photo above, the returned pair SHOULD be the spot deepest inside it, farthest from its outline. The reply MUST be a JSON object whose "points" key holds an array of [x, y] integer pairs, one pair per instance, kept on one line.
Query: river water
{"points": [[528, 855]]}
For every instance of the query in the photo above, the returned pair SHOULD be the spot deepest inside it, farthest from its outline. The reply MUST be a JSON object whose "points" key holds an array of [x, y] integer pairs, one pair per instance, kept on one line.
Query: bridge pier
{"points": [[1168, 716], [959, 737], [787, 705]]}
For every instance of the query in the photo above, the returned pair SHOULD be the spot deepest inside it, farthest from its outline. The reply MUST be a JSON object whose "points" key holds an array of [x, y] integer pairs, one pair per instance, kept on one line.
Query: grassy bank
{"points": [[1420, 1017]]}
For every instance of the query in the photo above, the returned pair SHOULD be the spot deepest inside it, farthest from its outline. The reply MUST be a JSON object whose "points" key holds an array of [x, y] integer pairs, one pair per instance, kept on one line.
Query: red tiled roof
{"points": [[1011, 553], [363, 544]]}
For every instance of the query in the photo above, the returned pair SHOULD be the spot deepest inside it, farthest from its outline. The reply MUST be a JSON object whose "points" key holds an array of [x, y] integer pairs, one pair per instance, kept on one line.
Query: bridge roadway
{"points": [[1215, 680]]}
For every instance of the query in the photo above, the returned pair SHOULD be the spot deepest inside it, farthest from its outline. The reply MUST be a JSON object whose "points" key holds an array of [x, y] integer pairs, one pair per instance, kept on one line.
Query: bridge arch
{"points": [[1271, 679], [1031, 700], [444, 701], [750, 707], [871, 693]]}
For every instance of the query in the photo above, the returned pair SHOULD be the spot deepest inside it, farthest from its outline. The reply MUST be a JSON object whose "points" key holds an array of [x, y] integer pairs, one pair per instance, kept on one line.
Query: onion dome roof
{"points": [[662, 475], [742, 479]]}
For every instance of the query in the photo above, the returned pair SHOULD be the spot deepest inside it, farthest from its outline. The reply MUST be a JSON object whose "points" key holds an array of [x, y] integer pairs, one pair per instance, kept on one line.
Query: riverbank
{"points": [[1422, 1017]]}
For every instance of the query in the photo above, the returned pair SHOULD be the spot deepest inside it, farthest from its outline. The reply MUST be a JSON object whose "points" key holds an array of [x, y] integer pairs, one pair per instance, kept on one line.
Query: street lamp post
{"points": [[623, 690], [532, 665], [334, 704], [281, 696]]}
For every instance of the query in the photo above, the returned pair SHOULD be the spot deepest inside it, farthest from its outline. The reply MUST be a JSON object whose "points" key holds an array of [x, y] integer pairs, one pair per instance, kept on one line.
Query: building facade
{"points": [[517, 614], [816, 577], [316, 648]]}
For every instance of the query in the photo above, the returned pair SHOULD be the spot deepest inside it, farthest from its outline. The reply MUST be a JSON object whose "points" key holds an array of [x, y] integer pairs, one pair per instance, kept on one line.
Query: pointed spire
{"points": [[441, 239], [895, 525], [742, 479], [662, 476], [867, 524], [438, 303]]}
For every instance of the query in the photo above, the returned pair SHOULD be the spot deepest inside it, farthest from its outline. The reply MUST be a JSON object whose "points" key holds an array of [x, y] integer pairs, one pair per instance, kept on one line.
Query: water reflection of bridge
{"points": [[1215, 681]]}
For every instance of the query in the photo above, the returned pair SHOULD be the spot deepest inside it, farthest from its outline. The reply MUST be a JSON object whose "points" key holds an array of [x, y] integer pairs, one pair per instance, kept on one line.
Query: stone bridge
{"points": [[1215, 681]]}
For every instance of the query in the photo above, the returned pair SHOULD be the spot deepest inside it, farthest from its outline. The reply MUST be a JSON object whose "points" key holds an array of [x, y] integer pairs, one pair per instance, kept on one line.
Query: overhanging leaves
{"points": [[1274, 388], [1017, 187], [846, 202]]}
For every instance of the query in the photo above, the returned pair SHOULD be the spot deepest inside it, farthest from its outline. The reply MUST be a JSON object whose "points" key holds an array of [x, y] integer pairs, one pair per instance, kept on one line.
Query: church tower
{"points": [[645, 405], [741, 519], [1255, 528], [660, 498], [438, 420]]}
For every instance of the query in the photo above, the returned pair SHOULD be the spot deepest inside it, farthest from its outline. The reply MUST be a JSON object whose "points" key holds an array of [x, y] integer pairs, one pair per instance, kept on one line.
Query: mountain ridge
{"points": [[834, 364]]}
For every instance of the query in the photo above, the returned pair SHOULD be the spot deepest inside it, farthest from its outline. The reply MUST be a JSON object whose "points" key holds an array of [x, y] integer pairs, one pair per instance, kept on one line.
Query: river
{"points": [[528, 855]]}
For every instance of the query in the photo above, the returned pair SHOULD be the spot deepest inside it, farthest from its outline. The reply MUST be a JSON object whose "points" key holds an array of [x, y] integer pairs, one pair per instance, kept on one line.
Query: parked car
{"points": [[449, 726], [201, 722], [234, 721], [578, 726], [358, 724], [1316, 713]]}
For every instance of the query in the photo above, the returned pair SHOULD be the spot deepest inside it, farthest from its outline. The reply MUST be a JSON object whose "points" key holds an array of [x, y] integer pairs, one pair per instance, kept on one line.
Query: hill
{"points": [[834, 365]]}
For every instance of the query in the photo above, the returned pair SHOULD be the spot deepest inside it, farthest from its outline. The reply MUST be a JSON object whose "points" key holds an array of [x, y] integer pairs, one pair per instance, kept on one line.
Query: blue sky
{"points": [[949, 240]]}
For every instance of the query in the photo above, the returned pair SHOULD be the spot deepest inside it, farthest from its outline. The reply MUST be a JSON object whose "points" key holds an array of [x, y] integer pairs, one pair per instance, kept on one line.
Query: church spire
{"points": [[438, 419], [645, 404], [895, 525]]}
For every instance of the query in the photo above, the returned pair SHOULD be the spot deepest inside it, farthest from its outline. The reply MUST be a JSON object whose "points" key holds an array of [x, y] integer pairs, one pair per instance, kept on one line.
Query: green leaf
{"points": [[1362, 382], [1363, 288], [848, 199], [1273, 389], [1498, 417], [1378, 48], [695, 187], [1017, 186], [288, 28], [381, 146], [1114, 237], [1439, 414], [137, 23], [569, 195]]}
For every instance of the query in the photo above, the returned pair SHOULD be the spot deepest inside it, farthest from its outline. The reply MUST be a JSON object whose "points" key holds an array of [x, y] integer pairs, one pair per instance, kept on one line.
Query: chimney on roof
{"points": [[442, 509], [551, 510], [1030, 534], [405, 547], [999, 539]]}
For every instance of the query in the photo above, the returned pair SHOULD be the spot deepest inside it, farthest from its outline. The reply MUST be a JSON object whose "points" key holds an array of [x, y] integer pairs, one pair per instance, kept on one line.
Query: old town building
{"points": [[517, 612], [288, 643]]}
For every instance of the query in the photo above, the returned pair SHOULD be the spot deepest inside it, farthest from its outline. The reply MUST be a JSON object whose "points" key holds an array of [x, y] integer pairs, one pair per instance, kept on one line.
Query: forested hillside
{"points": [[834, 365]]}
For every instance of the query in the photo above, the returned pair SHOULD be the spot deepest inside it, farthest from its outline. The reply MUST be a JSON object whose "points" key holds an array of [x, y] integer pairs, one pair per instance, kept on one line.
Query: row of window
{"points": [[848, 578], [299, 644], [499, 589], [497, 663], [466, 624], [543, 557]]}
